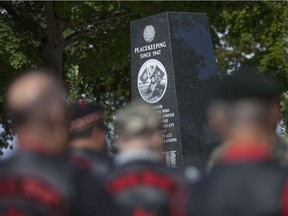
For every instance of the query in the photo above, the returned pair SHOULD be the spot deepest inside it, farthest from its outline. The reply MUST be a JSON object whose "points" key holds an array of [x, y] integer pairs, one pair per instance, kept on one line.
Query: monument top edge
{"points": [[169, 12]]}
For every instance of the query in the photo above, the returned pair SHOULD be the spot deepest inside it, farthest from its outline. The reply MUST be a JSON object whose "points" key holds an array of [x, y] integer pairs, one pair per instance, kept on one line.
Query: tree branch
{"points": [[52, 47], [70, 39], [64, 22], [91, 20]]}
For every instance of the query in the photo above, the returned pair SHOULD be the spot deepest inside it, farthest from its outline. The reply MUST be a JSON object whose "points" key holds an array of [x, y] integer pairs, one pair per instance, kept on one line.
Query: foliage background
{"points": [[88, 43]]}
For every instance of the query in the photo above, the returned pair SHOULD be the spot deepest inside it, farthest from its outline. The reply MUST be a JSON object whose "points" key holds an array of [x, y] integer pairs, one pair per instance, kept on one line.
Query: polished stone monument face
{"points": [[173, 69]]}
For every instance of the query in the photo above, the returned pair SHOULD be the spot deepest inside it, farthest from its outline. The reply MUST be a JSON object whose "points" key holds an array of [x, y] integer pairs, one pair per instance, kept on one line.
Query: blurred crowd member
{"points": [[38, 179], [218, 121], [140, 183], [88, 138], [245, 179]]}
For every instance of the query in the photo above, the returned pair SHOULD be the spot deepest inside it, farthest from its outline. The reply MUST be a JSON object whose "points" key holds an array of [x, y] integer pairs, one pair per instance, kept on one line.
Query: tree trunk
{"points": [[52, 46]]}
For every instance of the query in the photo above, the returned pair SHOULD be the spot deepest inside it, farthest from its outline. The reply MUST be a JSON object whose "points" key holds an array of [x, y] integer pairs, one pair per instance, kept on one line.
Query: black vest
{"points": [[32, 184], [143, 188], [242, 188]]}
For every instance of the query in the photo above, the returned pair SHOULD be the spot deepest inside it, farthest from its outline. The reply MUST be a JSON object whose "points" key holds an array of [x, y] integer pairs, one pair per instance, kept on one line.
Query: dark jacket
{"points": [[246, 181], [142, 186], [44, 185], [97, 162]]}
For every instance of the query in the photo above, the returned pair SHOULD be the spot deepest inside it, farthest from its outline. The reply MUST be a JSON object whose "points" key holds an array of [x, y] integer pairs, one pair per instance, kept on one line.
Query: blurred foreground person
{"points": [[88, 139], [218, 120], [140, 183], [245, 180], [38, 180]]}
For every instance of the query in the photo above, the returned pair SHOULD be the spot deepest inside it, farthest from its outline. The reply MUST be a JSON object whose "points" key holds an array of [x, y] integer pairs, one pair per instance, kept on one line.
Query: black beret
{"points": [[243, 85]]}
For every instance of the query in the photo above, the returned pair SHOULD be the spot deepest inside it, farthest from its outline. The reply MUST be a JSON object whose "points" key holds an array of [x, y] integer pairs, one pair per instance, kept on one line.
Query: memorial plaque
{"points": [[173, 69]]}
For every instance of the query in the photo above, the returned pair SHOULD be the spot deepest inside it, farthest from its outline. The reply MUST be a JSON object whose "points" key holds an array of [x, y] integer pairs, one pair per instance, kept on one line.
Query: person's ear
{"points": [[57, 113], [217, 120], [95, 132], [98, 133]]}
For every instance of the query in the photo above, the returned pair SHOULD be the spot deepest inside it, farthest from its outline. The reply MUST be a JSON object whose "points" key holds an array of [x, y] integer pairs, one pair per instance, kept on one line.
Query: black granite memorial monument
{"points": [[173, 68]]}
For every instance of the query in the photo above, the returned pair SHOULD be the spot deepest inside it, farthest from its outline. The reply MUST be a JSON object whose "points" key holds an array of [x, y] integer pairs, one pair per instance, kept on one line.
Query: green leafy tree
{"points": [[284, 102], [253, 35], [88, 43]]}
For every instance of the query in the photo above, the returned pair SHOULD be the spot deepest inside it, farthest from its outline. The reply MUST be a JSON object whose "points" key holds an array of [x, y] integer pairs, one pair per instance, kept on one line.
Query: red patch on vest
{"points": [[147, 178], [141, 212], [34, 190]]}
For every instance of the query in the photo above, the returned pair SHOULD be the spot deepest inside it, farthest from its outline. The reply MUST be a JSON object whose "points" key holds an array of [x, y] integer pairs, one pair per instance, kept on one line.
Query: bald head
{"points": [[31, 88], [35, 101], [33, 95]]}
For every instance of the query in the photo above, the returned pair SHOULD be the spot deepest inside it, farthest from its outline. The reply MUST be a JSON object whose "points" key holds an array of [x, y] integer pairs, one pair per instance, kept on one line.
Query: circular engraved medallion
{"points": [[152, 81], [149, 33]]}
